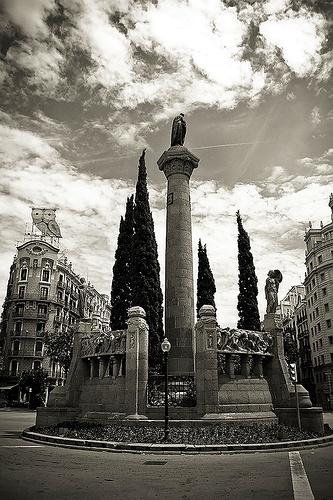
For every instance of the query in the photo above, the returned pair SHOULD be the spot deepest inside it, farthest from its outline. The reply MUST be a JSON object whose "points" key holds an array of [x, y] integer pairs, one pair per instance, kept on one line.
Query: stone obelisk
{"points": [[178, 163]]}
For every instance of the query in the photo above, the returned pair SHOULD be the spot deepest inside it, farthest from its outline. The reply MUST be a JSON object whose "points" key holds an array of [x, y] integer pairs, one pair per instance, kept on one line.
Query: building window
{"points": [[24, 274], [311, 266], [42, 310], [46, 275], [16, 348], [313, 346], [19, 309], [44, 291], [36, 365], [322, 359], [13, 368], [328, 323], [326, 307], [324, 292], [21, 292], [40, 329], [319, 327], [35, 263], [320, 259], [18, 328], [331, 356], [330, 339], [315, 296], [320, 342], [322, 277], [38, 348]]}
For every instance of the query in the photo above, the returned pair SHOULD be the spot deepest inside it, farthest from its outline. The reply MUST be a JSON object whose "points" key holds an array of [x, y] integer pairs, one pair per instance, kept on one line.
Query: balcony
{"points": [[18, 314], [14, 352], [61, 285]]}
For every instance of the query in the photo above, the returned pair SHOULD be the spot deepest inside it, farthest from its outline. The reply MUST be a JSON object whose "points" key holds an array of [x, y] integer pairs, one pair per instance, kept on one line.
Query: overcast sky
{"points": [[87, 84]]}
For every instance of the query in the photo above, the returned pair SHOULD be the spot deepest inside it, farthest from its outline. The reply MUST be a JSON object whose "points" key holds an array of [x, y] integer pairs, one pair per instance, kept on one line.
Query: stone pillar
{"points": [[136, 364], [257, 366], [230, 368], [178, 163], [246, 365], [206, 363]]}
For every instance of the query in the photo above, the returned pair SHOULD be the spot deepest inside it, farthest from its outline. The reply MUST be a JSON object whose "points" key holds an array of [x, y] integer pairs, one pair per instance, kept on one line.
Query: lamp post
{"points": [[166, 346]]}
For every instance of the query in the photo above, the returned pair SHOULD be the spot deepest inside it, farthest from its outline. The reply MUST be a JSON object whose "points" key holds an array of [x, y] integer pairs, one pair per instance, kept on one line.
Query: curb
{"points": [[170, 449]]}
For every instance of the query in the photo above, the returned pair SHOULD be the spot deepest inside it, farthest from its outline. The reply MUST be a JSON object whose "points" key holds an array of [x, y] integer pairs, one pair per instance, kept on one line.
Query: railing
{"points": [[14, 352], [181, 391]]}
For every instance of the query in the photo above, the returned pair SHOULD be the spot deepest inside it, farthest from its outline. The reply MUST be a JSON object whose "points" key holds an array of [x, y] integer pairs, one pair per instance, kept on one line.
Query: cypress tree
{"points": [[146, 287], [121, 288], [205, 283], [247, 306]]}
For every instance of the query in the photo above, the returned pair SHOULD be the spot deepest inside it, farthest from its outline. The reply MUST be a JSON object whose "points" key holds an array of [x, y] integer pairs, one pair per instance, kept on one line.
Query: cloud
{"points": [[300, 37], [29, 16], [158, 57]]}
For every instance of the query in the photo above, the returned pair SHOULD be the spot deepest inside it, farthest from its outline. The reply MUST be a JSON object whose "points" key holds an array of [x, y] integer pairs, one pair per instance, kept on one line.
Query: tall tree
{"points": [[205, 283], [121, 288], [146, 287], [247, 306], [59, 346]]}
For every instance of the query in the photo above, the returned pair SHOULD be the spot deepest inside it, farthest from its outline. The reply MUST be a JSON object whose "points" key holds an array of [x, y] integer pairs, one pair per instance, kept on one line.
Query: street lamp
{"points": [[166, 346]]}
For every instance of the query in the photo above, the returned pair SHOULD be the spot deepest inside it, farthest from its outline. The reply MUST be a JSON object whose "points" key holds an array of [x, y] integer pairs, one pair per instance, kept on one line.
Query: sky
{"points": [[85, 85]]}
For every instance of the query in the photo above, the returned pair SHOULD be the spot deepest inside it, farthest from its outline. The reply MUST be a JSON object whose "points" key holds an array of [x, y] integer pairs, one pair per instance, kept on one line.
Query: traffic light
{"points": [[293, 372]]}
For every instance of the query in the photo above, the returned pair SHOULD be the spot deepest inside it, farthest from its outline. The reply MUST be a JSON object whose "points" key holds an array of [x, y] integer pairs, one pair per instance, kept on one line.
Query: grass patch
{"points": [[215, 433]]}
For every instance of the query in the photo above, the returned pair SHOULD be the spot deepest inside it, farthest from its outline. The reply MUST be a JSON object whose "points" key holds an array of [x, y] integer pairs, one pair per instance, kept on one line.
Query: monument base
{"points": [[242, 418], [311, 418], [136, 417]]}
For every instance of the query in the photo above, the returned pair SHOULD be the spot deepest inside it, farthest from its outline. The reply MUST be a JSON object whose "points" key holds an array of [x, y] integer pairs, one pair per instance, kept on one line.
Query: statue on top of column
{"points": [[178, 130], [273, 281]]}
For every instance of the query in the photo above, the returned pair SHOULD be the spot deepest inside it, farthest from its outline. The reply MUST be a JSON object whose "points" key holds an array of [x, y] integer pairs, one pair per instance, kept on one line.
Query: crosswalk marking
{"points": [[301, 485]]}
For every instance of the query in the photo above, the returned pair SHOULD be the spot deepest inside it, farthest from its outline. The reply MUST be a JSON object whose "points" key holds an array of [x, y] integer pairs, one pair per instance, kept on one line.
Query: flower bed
{"points": [[214, 433]]}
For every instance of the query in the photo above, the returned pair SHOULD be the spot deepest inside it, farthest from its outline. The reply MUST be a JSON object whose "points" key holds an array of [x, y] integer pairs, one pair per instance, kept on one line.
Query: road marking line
{"points": [[301, 485]]}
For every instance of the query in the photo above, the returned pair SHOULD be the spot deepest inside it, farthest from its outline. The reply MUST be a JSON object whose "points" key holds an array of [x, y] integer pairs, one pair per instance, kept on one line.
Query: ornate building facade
{"points": [[43, 296], [319, 303]]}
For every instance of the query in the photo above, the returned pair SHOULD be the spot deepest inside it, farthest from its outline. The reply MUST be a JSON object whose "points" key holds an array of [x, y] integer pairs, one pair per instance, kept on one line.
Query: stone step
{"points": [[247, 417], [244, 408]]}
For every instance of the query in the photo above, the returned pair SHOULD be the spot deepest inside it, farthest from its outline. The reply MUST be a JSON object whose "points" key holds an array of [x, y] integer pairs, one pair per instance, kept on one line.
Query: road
{"points": [[32, 471]]}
